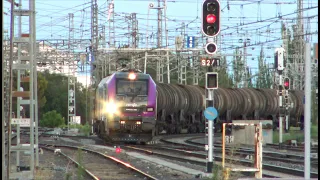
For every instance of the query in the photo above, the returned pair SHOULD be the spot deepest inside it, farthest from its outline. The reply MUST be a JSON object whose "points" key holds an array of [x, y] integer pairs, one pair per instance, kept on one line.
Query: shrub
{"points": [[85, 129], [51, 119]]}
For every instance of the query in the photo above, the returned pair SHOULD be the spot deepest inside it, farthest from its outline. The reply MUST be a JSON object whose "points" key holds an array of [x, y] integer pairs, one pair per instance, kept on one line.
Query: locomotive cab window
{"points": [[132, 88]]}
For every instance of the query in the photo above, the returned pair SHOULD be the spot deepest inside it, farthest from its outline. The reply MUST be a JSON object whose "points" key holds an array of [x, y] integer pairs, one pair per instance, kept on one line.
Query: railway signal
{"points": [[286, 100], [279, 59], [280, 91], [286, 83], [279, 65], [211, 48], [211, 17], [211, 80], [211, 84]]}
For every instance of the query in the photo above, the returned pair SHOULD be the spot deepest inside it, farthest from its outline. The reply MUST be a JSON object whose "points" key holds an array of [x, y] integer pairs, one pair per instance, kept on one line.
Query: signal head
{"points": [[211, 48], [286, 83], [211, 17], [211, 7], [211, 80]]}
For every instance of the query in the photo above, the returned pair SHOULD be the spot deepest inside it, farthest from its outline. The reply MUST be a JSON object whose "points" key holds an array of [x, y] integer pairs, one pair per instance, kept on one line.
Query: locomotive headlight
{"points": [[111, 107], [132, 76]]}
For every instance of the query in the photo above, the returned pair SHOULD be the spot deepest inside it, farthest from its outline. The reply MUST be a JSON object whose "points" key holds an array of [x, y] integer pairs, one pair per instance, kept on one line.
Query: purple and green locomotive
{"points": [[125, 107]]}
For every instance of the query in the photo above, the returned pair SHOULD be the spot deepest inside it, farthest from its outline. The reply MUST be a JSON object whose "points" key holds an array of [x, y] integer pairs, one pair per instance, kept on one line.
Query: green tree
{"points": [[57, 94], [51, 119], [264, 79], [237, 64], [42, 86], [225, 79], [250, 84], [83, 102]]}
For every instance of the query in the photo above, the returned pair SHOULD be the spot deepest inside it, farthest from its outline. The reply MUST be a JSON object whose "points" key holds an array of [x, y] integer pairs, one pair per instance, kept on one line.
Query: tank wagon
{"points": [[130, 106], [180, 107]]}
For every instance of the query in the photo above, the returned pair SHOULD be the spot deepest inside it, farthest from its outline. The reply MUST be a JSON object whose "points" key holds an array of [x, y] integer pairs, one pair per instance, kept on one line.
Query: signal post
{"points": [[286, 84], [279, 66], [210, 113], [210, 28]]}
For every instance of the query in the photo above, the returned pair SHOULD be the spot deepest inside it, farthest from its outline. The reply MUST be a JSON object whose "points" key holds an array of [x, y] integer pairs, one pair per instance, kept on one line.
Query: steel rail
{"points": [[250, 150], [270, 167], [75, 162], [126, 165]]}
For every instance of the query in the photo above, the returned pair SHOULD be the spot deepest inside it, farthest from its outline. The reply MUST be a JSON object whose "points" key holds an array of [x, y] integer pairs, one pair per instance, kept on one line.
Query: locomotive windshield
{"points": [[132, 88]]}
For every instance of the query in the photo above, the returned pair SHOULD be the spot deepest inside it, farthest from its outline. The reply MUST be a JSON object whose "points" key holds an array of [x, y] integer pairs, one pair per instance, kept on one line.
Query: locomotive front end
{"points": [[131, 107]]}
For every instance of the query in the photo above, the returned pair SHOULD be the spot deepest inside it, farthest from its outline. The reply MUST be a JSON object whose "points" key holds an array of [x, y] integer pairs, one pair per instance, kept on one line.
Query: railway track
{"points": [[196, 156], [292, 148], [267, 155], [97, 165]]}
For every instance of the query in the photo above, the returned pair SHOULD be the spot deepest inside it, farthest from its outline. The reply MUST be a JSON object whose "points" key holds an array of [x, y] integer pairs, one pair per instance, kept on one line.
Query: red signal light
{"points": [[118, 150], [286, 84], [211, 18]]}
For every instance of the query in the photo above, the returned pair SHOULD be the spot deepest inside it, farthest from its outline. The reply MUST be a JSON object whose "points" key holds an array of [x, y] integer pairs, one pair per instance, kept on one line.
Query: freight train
{"points": [[131, 106]]}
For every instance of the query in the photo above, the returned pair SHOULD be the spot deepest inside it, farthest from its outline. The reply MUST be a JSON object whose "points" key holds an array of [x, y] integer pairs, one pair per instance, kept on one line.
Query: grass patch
{"points": [[83, 129], [218, 174], [314, 131], [43, 174], [295, 134]]}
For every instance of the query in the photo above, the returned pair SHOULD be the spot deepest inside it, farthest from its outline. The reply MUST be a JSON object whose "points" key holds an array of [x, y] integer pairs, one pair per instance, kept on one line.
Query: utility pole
{"points": [[159, 41], [2, 107], [10, 88], [298, 58], [71, 74], [160, 62], [93, 52], [103, 45], [182, 63], [32, 122], [307, 111], [135, 32], [6, 85], [112, 43], [245, 71], [196, 67], [18, 85], [167, 40], [301, 42]]}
